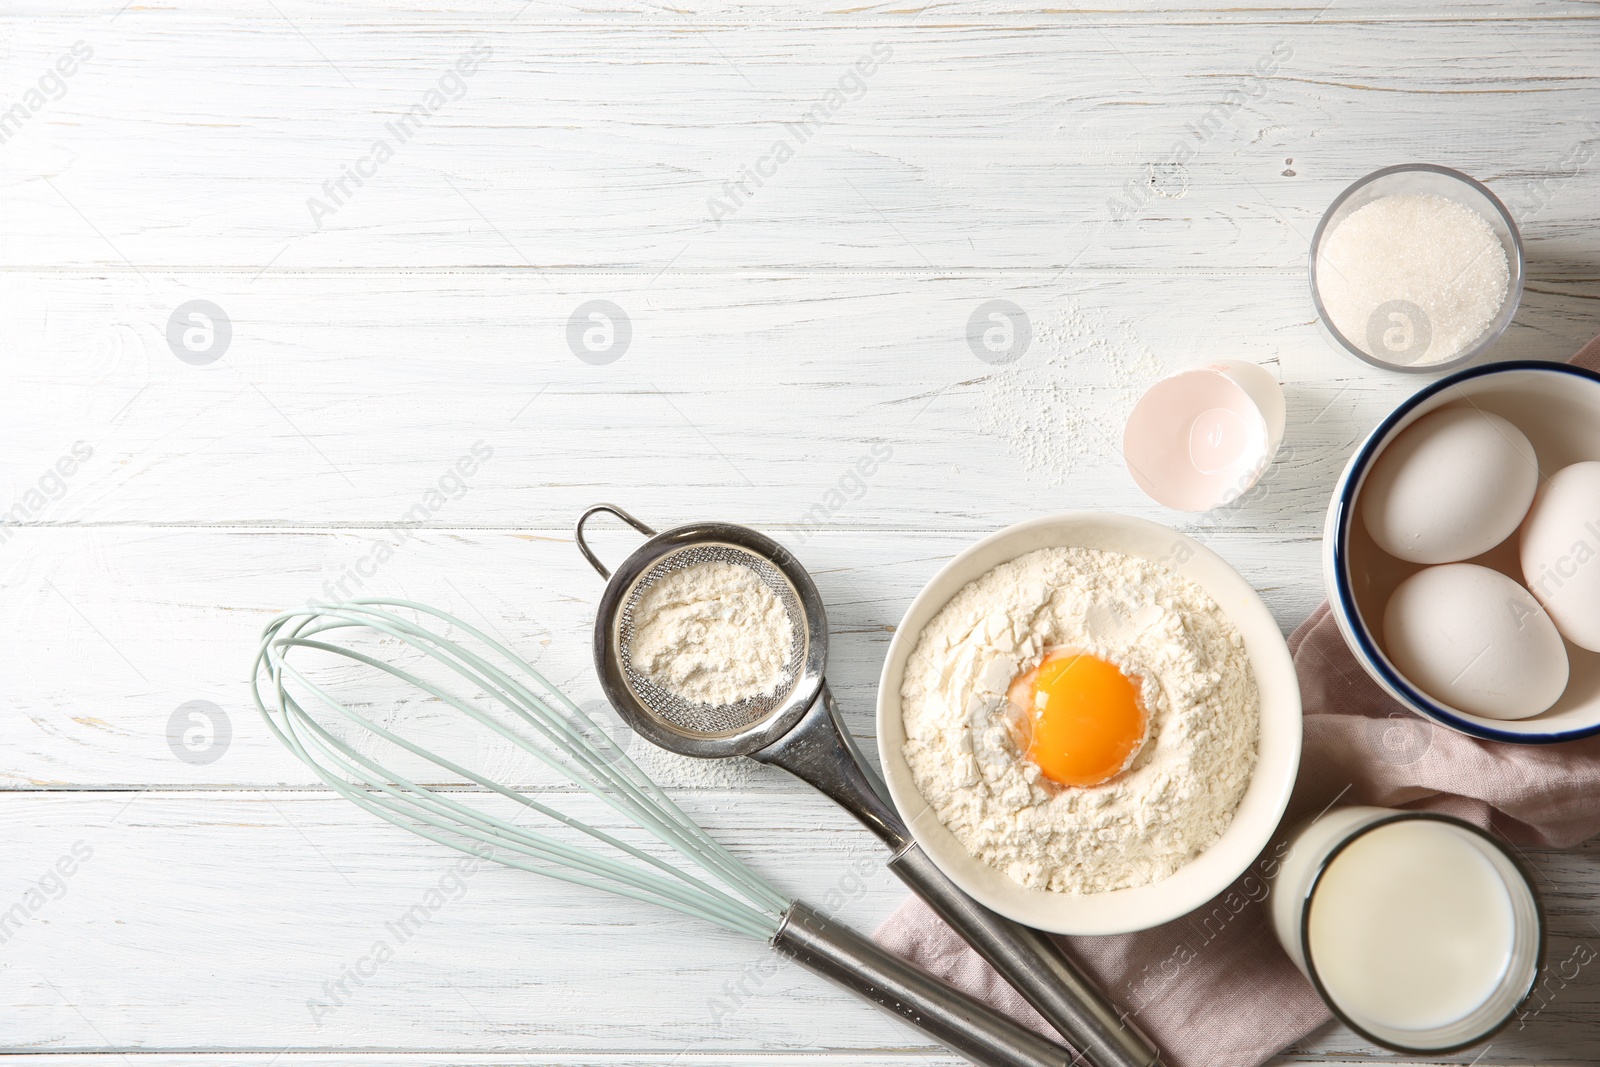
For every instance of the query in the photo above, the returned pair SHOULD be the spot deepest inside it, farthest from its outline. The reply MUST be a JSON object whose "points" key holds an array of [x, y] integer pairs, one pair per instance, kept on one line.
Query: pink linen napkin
{"points": [[1214, 989]]}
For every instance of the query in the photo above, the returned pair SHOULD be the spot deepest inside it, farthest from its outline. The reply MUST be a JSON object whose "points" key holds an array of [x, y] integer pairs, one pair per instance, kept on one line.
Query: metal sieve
{"points": [[797, 728], [665, 719]]}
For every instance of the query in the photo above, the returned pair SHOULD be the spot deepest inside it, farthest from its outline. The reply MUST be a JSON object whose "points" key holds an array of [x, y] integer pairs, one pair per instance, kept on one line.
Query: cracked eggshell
{"points": [[1473, 639], [1451, 486], [1561, 552]]}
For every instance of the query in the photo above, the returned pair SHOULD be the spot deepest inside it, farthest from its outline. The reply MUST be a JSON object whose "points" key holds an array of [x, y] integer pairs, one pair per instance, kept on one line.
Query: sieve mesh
{"points": [[710, 719]]}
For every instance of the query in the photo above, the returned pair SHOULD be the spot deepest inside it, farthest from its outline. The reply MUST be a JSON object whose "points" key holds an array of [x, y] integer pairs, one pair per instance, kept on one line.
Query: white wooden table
{"points": [[1130, 180]]}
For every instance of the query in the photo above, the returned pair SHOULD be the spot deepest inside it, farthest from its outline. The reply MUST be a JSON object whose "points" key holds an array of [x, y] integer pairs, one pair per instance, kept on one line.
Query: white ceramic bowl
{"points": [[1558, 407], [1121, 910]]}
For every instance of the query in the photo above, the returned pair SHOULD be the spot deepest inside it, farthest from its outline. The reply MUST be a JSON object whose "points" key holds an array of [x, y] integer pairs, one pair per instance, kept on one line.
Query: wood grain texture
{"points": [[343, 399], [1003, 150], [258, 899], [600, 146], [164, 616], [1194, 12]]}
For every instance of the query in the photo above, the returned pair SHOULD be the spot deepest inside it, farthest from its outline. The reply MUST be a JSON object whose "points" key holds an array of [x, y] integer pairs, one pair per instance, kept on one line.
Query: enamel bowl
{"points": [[1558, 407], [1208, 874]]}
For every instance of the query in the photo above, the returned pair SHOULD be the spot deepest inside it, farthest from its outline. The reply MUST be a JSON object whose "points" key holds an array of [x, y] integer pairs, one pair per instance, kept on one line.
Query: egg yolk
{"points": [[1078, 718]]}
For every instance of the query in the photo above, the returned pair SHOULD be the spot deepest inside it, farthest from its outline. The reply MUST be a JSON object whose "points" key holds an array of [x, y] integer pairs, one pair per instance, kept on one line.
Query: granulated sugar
{"points": [[1412, 279], [1067, 397]]}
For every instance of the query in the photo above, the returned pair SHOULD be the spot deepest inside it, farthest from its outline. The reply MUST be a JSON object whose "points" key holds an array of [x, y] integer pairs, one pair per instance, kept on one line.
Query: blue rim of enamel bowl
{"points": [[1368, 648]]}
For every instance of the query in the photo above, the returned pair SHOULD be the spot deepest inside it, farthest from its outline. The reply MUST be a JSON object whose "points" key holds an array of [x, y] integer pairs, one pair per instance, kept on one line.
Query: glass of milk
{"points": [[1420, 931]]}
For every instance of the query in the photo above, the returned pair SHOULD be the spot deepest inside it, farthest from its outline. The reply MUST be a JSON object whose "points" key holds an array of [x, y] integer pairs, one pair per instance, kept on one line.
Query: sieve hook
{"points": [[583, 546]]}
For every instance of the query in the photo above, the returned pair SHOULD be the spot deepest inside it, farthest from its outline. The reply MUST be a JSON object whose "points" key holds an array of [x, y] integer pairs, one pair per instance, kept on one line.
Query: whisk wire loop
{"points": [[445, 807], [602, 769], [561, 740]]}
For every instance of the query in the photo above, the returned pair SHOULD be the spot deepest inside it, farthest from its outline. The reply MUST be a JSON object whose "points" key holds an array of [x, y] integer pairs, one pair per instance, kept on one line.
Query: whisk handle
{"points": [[1033, 964], [941, 1011]]}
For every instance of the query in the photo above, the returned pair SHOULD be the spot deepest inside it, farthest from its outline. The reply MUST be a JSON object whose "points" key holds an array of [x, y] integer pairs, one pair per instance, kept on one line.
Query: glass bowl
{"points": [[1424, 178]]}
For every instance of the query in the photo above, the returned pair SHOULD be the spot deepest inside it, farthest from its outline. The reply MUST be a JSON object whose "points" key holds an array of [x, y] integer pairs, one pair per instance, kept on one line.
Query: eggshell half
{"points": [[1474, 640], [1561, 552], [1451, 486]]}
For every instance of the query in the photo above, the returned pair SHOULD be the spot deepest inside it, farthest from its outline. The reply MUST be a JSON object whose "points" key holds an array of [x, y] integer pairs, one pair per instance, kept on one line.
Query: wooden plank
{"points": [[854, 1058], [921, 1057], [258, 899], [114, 632], [606, 146], [701, 12], [347, 399]]}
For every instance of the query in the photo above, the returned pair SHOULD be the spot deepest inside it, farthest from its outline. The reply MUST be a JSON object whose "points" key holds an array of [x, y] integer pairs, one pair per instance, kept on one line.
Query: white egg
{"points": [[1473, 639], [1451, 486], [1561, 552]]}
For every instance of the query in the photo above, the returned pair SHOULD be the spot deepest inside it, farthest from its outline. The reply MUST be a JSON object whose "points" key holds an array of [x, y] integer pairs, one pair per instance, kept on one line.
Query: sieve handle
{"points": [[941, 1011], [1034, 965], [817, 751], [583, 544]]}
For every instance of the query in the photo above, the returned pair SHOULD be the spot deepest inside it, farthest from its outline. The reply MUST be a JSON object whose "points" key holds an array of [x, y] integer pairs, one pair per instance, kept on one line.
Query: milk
{"points": [[1420, 930], [1411, 926]]}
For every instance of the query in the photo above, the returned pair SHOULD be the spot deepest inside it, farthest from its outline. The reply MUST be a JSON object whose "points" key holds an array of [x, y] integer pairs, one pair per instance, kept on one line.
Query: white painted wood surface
{"points": [[828, 313]]}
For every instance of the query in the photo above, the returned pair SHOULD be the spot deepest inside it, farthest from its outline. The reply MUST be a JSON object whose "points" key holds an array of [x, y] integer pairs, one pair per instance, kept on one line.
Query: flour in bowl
{"points": [[1178, 655], [712, 633]]}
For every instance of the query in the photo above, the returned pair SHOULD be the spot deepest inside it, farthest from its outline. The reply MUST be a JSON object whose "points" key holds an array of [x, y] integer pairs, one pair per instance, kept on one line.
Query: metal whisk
{"points": [[504, 703]]}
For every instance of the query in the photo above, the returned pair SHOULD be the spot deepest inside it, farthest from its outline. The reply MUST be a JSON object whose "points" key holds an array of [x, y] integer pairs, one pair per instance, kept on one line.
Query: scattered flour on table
{"points": [[1156, 626], [1069, 394], [672, 771], [712, 633]]}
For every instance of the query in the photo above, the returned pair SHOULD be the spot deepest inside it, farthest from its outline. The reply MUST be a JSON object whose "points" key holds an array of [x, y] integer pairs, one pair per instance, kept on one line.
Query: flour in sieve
{"points": [[712, 633], [1181, 791]]}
